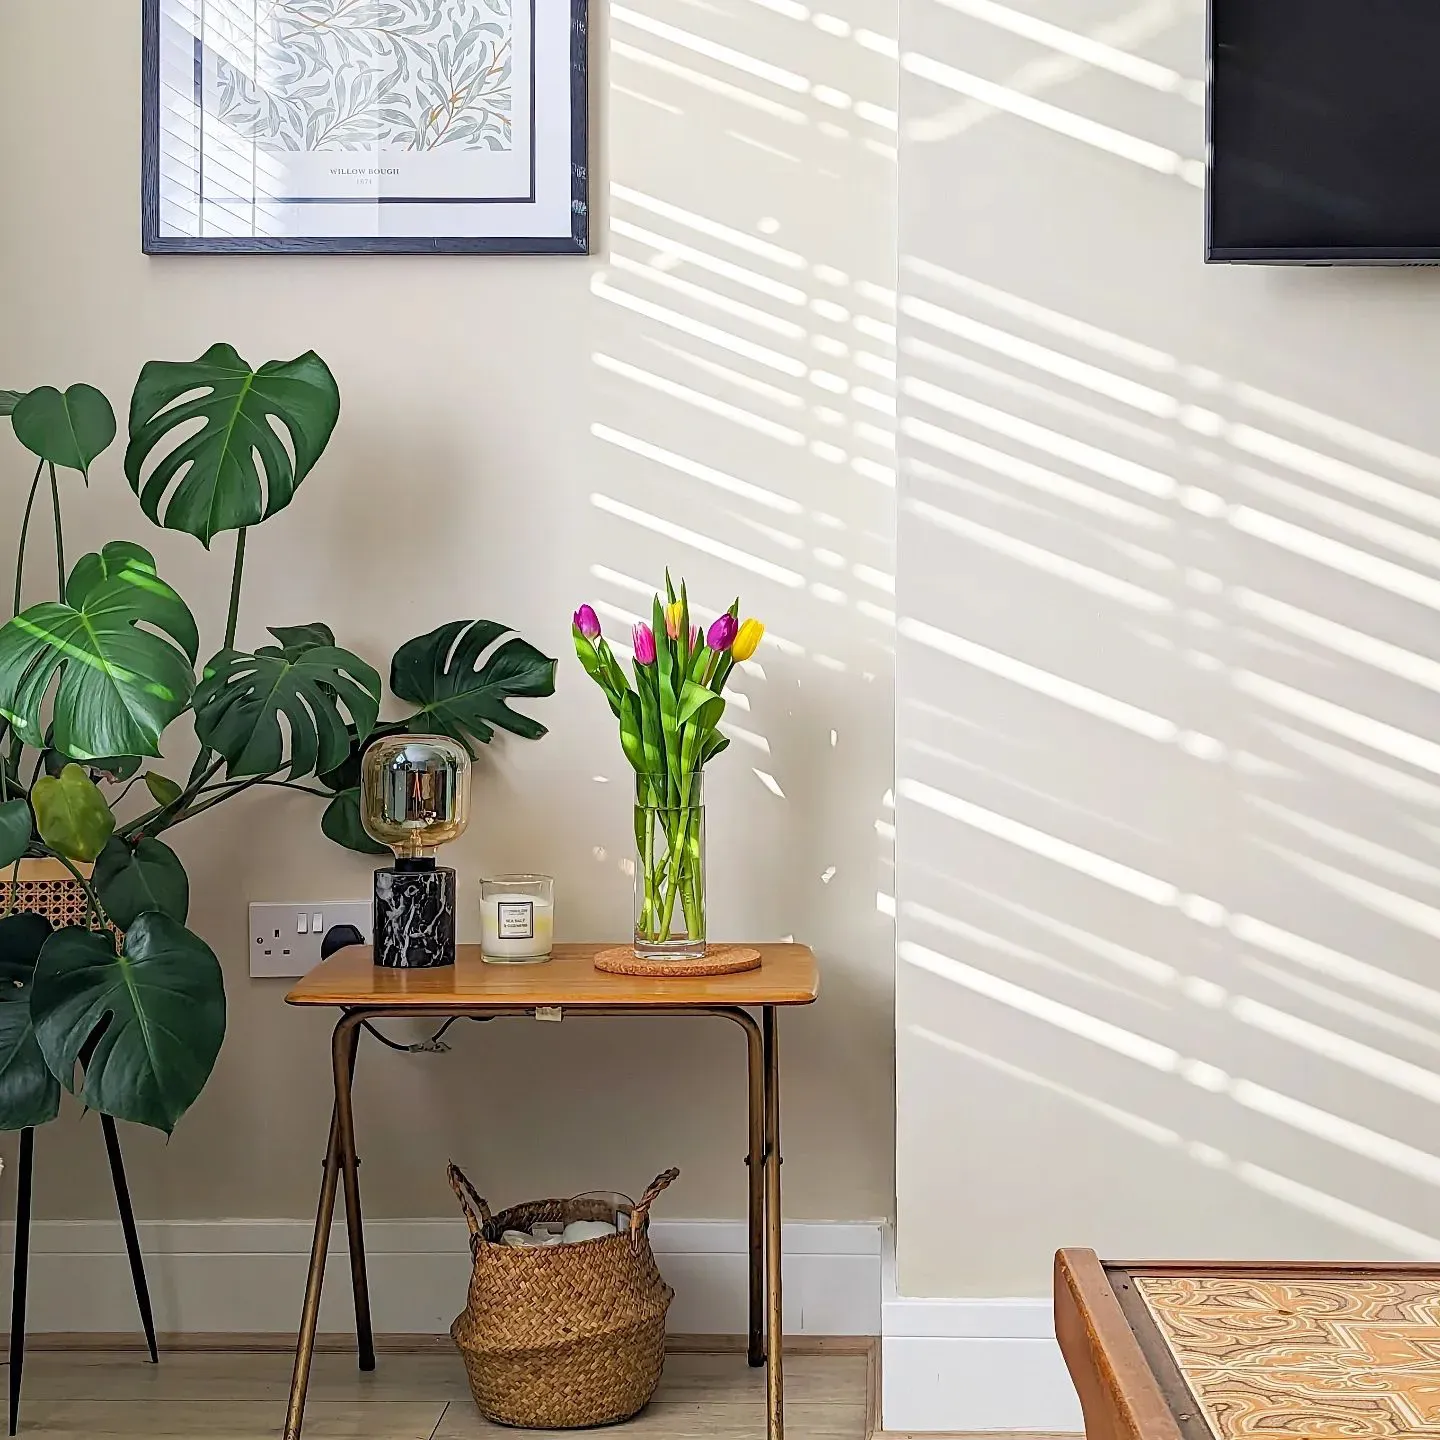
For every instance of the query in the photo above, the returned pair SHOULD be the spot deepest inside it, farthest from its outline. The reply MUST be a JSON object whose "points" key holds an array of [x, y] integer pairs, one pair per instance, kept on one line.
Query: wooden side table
{"points": [[1229, 1349], [568, 986]]}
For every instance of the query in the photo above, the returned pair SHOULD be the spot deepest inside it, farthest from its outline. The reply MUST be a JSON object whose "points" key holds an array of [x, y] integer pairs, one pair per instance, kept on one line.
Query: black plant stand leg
{"points": [[22, 1270], [132, 1239]]}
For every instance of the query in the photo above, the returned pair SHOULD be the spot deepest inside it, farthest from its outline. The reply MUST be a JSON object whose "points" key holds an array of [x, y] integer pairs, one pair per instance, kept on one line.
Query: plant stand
{"points": [[24, 1190]]}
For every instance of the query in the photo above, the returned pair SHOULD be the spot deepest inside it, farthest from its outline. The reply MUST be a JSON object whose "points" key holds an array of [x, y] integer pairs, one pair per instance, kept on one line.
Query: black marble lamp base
{"points": [[414, 917]]}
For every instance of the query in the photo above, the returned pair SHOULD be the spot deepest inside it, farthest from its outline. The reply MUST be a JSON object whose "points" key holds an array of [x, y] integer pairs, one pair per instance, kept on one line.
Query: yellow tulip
{"points": [[674, 614], [747, 639]]}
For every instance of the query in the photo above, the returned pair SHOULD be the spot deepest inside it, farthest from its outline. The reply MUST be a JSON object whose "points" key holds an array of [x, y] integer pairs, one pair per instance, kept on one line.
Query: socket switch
{"points": [[285, 939]]}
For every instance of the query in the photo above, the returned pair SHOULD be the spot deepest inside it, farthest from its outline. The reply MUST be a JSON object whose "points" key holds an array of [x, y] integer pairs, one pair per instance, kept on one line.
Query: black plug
{"points": [[337, 937]]}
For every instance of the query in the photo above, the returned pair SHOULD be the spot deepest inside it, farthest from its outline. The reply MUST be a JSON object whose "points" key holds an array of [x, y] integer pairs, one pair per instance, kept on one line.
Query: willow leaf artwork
{"points": [[368, 75]]}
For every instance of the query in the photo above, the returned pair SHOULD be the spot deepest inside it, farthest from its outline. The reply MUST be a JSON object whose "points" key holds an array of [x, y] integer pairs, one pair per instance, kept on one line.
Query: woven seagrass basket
{"points": [[561, 1336]]}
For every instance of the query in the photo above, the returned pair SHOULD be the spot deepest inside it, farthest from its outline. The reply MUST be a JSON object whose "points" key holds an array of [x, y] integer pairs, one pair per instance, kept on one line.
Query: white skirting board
{"points": [[236, 1276], [963, 1365]]}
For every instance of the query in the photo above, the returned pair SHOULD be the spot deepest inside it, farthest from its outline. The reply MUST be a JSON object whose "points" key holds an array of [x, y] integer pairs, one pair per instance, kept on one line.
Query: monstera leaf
{"points": [[303, 637], [71, 814], [29, 1093], [236, 470], [14, 831], [119, 685], [131, 879], [154, 1014], [69, 429], [441, 673], [325, 694], [341, 823]]}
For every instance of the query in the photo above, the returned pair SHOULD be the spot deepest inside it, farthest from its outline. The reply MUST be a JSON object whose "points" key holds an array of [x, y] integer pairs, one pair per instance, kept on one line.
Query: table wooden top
{"points": [[1247, 1350], [788, 975]]}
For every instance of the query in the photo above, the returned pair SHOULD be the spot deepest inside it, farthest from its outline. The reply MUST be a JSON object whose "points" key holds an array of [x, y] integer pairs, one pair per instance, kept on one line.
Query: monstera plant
{"points": [[130, 1008]]}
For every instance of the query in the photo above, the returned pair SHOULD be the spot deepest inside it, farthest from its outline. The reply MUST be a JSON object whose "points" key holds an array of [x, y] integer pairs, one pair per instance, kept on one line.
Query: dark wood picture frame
{"points": [[576, 243]]}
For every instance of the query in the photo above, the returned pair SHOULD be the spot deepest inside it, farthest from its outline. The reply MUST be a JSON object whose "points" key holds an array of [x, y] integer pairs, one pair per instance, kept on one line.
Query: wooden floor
{"points": [[82, 1396]]}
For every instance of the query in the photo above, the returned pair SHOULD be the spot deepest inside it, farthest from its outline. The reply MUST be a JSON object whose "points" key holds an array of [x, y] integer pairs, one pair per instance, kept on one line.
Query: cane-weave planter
{"points": [[46, 888], [560, 1336]]}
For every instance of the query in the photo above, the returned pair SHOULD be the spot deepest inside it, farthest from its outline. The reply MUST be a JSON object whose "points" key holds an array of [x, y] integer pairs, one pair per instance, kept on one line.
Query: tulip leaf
{"points": [[71, 814], [589, 656], [69, 430], [120, 684], [700, 704], [325, 695], [29, 1093], [632, 731], [457, 695], [669, 701], [9, 399], [131, 879], [15, 828], [650, 727], [149, 1020], [235, 470], [341, 823]]}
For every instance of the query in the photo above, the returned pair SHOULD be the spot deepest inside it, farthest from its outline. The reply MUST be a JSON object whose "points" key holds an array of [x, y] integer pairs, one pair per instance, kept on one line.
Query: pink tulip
{"points": [[722, 633], [644, 644], [587, 622]]}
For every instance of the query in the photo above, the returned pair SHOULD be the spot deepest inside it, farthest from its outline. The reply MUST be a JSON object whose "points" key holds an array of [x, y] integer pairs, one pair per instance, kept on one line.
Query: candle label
{"points": [[515, 919]]}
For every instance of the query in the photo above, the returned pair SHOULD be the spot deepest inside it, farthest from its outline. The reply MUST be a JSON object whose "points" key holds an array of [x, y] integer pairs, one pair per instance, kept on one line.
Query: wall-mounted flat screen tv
{"points": [[1324, 131]]}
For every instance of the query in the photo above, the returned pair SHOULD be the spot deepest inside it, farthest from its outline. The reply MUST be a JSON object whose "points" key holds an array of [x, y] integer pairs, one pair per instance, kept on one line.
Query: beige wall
{"points": [[463, 481], [1169, 539]]}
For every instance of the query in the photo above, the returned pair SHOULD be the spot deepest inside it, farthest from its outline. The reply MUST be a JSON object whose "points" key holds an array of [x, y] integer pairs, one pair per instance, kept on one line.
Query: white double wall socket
{"points": [[285, 938]]}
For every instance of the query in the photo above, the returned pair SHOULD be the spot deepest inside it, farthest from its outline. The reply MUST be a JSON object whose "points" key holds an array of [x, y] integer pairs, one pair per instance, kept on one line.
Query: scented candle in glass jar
{"points": [[517, 919]]}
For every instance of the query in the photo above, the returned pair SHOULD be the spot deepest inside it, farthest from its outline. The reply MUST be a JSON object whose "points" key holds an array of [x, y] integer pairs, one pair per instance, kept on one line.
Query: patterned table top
{"points": [[1311, 1358]]}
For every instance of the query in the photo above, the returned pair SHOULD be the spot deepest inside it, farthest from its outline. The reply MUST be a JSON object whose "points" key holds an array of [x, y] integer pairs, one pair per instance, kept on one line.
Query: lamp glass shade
{"points": [[415, 793]]}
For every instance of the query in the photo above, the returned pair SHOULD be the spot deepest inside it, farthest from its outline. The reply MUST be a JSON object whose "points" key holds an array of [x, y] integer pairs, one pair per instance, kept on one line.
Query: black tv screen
{"points": [[1324, 131]]}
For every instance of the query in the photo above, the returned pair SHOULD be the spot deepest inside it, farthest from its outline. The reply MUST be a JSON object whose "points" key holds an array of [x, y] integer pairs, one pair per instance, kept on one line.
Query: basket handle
{"points": [[477, 1212], [641, 1212]]}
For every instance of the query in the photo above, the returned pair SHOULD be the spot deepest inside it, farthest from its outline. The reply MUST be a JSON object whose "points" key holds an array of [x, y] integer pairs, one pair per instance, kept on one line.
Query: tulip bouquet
{"points": [[669, 727]]}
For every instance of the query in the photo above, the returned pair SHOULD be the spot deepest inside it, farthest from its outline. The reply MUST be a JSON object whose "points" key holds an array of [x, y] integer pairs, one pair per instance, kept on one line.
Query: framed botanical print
{"points": [[344, 126]]}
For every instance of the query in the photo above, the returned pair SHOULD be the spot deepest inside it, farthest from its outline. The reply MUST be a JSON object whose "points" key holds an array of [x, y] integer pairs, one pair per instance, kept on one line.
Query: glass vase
{"points": [[669, 866]]}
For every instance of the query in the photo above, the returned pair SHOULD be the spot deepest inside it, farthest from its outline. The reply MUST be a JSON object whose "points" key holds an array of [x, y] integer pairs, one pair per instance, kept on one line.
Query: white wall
{"points": [[1168, 808], [519, 436]]}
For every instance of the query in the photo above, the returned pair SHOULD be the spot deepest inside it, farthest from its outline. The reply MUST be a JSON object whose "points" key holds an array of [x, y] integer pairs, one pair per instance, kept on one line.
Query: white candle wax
{"points": [[516, 926]]}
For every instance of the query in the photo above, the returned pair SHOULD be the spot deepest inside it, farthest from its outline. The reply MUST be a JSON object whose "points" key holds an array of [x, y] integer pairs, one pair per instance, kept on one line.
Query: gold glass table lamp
{"points": [[415, 797]]}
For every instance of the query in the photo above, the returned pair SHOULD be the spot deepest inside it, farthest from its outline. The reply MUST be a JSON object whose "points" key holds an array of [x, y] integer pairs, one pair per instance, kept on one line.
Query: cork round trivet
{"points": [[717, 960]]}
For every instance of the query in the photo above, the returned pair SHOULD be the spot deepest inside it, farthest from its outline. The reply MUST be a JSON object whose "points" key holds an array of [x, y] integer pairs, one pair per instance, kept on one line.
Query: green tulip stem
{"points": [[59, 531], [678, 829], [24, 533], [233, 619]]}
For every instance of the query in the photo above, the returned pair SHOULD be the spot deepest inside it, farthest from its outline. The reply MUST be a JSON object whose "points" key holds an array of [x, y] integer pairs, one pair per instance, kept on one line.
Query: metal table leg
{"points": [[24, 1190], [342, 1052], [774, 1357], [350, 1174], [132, 1236], [756, 1163]]}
